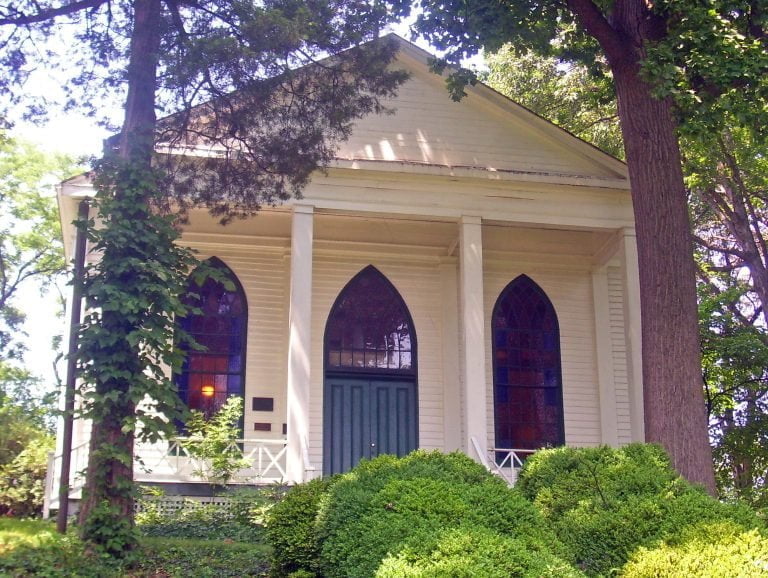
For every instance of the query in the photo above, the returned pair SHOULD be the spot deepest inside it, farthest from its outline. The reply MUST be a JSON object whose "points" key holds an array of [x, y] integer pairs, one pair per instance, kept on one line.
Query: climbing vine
{"points": [[126, 357]]}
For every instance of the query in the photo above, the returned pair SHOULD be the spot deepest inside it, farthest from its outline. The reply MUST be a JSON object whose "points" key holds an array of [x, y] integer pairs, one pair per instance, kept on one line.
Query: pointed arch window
{"points": [[211, 376], [369, 328], [527, 379]]}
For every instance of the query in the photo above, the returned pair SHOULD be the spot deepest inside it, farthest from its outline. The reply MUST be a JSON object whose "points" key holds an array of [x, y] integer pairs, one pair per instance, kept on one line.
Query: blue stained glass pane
{"points": [[234, 384]]}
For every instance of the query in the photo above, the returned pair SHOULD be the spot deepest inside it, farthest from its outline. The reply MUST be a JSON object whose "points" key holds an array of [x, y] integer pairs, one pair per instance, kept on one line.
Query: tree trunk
{"points": [[675, 415], [108, 495]]}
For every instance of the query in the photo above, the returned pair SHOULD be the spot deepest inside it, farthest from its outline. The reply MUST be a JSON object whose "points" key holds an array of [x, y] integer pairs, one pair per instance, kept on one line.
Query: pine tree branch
{"points": [[21, 19]]}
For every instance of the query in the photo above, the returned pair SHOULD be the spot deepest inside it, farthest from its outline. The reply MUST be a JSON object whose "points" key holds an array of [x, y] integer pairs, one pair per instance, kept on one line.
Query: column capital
{"points": [[303, 208], [471, 220]]}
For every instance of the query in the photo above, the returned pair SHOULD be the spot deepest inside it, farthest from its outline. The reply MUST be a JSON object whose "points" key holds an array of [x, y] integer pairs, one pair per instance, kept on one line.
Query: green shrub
{"points": [[33, 548], [197, 521], [211, 442], [22, 480], [251, 506], [291, 529], [201, 559], [53, 555], [705, 551], [604, 504], [467, 552], [388, 505]]}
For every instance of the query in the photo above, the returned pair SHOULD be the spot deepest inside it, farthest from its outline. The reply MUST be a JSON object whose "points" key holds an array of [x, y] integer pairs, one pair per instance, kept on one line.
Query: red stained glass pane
{"points": [[369, 326]]}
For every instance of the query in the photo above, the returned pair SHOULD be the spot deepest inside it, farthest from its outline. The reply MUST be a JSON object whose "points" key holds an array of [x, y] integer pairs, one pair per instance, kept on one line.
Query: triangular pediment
{"points": [[484, 131]]}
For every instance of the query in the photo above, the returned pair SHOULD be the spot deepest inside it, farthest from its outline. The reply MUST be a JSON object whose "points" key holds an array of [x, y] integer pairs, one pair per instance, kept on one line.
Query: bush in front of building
{"points": [[402, 509], [604, 504], [711, 549], [291, 529], [467, 552], [239, 518]]}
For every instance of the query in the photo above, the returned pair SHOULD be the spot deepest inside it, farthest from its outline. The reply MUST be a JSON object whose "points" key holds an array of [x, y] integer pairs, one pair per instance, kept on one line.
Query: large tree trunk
{"points": [[675, 415], [108, 494]]}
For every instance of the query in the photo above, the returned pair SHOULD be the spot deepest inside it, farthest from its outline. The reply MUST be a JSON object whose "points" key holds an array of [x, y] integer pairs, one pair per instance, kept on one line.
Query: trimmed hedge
{"points": [[291, 529], [574, 511], [706, 551], [468, 552], [604, 503], [389, 506]]}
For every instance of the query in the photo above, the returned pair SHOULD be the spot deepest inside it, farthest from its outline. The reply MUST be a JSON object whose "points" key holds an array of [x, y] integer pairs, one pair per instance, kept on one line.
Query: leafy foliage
{"points": [[22, 481], [241, 518], [203, 559], [31, 252], [132, 294], [735, 356], [34, 549], [713, 549], [197, 521], [211, 442], [475, 551], [25, 439], [566, 94], [388, 505], [603, 504], [291, 529]]}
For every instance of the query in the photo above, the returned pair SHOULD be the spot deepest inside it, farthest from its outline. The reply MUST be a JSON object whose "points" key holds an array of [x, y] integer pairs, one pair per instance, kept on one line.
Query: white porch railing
{"points": [[171, 461], [78, 463], [507, 462], [504, 462]]}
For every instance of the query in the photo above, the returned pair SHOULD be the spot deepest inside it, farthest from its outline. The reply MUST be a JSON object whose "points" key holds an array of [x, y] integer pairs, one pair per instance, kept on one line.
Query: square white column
{"points": [[299, 340], [606, 383], [472, 317], [452, 414], [633, 332]]}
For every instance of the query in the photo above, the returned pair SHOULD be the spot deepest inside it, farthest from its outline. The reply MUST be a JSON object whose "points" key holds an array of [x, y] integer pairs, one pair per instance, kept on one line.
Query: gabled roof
{"points": [[485, 131]]}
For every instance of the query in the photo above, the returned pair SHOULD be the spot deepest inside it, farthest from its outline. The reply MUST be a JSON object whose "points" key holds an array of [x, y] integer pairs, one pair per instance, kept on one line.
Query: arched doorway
{"points": [[370, 392], [208, 378], [527, 379]]}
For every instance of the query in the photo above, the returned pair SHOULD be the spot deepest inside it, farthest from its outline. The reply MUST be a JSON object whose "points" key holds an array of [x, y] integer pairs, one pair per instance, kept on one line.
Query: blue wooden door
{"points": [[365, 417]]}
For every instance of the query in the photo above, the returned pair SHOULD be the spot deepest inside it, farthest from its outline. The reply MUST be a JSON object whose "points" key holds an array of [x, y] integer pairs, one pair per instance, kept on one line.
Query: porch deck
{"points": [[171, 462]]}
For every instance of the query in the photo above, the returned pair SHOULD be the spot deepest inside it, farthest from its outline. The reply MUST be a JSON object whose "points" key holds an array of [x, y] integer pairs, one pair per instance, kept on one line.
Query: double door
{"points": [[365, 417]]}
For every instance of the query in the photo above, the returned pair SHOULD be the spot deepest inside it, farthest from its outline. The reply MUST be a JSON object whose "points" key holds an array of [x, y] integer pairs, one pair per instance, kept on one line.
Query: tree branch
{"points": [[51, 13], [596, 24]]}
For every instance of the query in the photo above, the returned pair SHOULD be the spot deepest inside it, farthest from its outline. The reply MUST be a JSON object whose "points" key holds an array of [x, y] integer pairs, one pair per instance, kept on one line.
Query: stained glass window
{"points": [[369, 327], [210, 376], [527, 380]]}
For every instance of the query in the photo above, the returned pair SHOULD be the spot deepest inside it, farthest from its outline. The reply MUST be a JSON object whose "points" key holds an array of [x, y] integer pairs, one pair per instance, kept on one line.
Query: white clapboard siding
{"points": [[570, 291], [418, 281], [619, 353]]}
